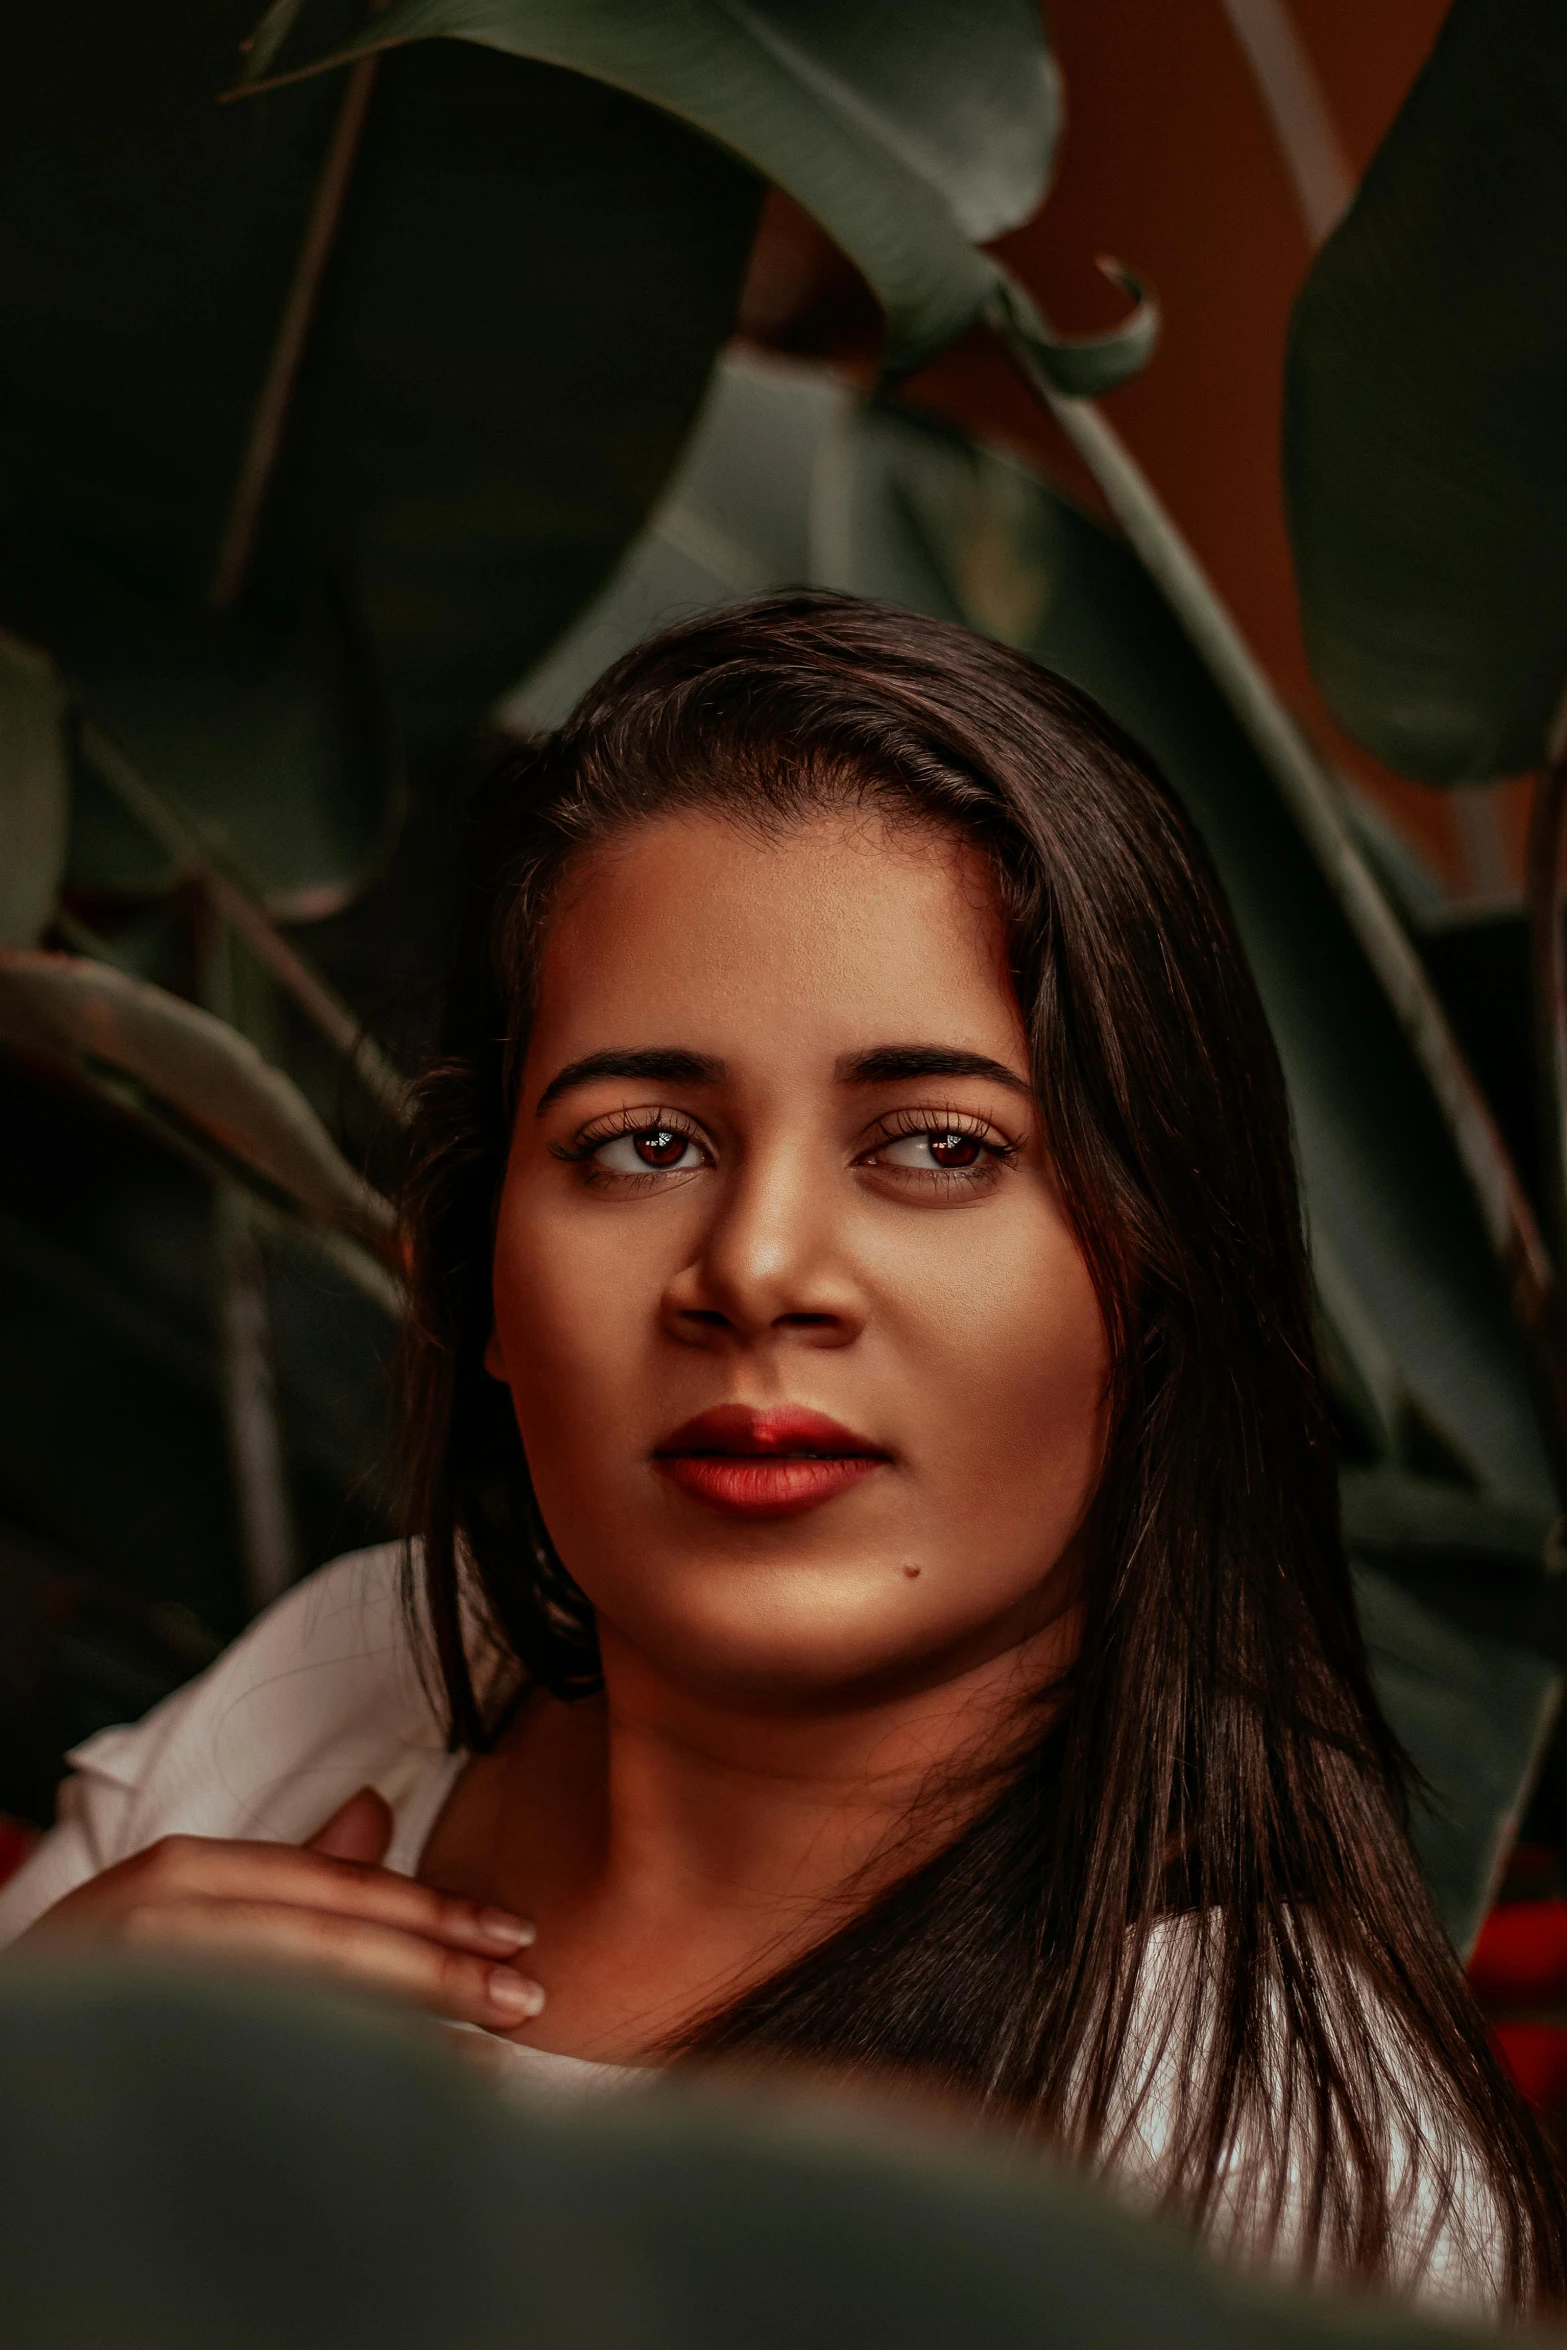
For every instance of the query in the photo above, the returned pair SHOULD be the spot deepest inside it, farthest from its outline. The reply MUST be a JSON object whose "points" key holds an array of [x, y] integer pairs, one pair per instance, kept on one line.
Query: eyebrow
{"points": [[657, 1064], [891, 1064], [884, 1064]]}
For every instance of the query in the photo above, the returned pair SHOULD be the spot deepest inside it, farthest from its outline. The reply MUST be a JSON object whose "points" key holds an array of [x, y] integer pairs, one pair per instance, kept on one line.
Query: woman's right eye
{"points": [[649, 1150]]}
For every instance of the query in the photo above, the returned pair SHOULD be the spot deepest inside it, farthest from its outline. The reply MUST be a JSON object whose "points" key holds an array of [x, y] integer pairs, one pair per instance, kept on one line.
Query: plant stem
{"points": [[288, 349], [1508, 1218]]}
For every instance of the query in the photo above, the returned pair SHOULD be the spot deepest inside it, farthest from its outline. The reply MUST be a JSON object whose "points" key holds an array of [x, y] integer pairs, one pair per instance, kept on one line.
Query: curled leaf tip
{"points": [[1078, 367]]}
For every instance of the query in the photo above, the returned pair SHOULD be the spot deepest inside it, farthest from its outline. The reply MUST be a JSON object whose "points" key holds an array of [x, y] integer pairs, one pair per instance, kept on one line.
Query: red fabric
{"points": [[1536, 2056], [1520, 1959], [1520, 1963], [16, 1842]]}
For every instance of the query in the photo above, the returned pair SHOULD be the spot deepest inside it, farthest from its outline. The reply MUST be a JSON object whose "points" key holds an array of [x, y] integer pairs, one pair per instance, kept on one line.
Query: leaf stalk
{"points": [[288, 350]]}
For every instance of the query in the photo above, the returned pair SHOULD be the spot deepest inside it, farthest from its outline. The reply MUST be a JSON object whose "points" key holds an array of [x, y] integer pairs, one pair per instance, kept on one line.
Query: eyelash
{"points": [[907, 1125], [897, 1126], [580, 1150]]}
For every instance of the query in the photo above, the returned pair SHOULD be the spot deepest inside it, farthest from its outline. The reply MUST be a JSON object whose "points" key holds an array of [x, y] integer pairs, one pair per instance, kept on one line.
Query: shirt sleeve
{"points": [[82, 1844], [321, 1696]]}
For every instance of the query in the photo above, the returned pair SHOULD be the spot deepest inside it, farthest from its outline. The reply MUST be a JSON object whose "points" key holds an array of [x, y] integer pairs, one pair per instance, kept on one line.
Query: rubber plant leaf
{"points": [[34, 790], [788, 478], [460, 468], [94, 1021], [912, 129], [1425, 460]]}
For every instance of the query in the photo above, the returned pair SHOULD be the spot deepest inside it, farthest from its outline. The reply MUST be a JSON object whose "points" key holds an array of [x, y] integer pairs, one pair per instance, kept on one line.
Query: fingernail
{"points": [[498, 1925], [515, 1993]]}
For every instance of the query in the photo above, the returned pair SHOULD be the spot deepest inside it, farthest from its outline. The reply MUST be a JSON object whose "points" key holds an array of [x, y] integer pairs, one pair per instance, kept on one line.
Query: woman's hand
{"points": [[326, 1906]]}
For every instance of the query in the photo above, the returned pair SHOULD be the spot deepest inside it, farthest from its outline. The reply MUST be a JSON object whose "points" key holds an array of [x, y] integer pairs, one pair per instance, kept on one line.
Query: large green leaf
{"points": [[911, 133], [787, 480], [912, 129], [528, 284], [34, 790], [1426, 461]]}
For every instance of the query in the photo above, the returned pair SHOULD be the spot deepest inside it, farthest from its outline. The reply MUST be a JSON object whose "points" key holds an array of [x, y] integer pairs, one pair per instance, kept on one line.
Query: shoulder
{"points": [[320, 1695]]}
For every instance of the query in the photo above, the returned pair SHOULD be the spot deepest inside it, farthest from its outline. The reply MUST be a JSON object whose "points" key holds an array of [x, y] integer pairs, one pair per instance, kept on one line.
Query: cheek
{"points": [[1019, 1367], [572, 1312]]}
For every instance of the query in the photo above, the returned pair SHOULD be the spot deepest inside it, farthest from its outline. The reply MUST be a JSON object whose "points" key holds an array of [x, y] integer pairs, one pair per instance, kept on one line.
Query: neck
{"points": [[675, 1841], [705, 1800]]}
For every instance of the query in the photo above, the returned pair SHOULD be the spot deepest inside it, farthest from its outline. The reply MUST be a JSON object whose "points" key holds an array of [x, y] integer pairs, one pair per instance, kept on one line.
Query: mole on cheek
{"points": [[911, 1572]]}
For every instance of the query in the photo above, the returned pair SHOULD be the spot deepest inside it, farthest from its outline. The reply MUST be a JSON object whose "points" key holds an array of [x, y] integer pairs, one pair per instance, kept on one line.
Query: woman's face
{"points": [[806, 1360]]}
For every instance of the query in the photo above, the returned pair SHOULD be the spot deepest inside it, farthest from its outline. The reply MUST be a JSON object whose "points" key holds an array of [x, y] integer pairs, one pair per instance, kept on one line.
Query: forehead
{"points": [[842, 929]]}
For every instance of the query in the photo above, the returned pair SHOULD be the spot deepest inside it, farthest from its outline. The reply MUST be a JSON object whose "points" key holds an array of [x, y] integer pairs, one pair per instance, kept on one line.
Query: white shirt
{"points": [[320, 1697]]}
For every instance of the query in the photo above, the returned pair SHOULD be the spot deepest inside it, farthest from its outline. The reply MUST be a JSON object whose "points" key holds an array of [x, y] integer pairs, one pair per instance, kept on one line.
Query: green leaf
{"points": [[34, 790], [1473, 1711], [276, 747], [787, 480], [472, 441], [1081, 367], [1425, 460], [912, 129], [98, 1022]]}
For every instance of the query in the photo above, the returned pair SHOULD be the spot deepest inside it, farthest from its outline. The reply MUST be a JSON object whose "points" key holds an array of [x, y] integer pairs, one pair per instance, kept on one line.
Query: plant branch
{"points": [[1508, 1217], [321, 1005], [288, 349]]}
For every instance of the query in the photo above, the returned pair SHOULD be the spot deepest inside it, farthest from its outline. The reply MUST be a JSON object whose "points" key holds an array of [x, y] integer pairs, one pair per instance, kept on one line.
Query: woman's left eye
{"points": [[649, 1150], [935, 1149]]}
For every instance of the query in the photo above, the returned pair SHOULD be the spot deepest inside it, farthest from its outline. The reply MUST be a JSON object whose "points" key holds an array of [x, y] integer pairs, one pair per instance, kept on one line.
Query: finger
{"points": [[220, 1869], [360, 1829], [455, 1984]]}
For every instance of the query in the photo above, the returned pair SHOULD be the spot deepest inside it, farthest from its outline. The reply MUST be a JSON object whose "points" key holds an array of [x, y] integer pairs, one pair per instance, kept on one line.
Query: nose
{"points": [[772, 1262]]}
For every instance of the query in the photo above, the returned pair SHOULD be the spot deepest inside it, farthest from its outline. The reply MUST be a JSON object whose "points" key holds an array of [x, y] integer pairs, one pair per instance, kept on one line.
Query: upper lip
{"points": [[749, 1430]]}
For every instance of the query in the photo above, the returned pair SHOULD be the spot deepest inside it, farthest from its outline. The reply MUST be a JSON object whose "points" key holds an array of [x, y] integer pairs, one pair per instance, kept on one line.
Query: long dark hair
{"points": [[1185, 1934]]}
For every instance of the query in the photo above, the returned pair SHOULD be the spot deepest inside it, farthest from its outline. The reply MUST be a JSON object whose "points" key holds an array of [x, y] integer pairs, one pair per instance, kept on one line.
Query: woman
{"points": [[877, 1569]]}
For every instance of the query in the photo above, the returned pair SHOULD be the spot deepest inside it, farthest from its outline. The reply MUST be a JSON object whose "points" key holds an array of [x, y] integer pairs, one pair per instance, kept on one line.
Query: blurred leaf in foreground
{"points": [[250, 2152]]}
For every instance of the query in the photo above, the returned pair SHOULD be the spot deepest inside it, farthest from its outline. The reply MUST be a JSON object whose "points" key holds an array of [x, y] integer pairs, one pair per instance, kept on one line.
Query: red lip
{"points": [[765, 1464]]}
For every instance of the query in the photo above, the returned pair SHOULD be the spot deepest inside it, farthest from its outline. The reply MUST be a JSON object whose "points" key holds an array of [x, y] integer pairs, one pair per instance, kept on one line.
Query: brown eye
{"points": [[660, 1146], [954, 1150], [649, 1150], [935, 1150]]}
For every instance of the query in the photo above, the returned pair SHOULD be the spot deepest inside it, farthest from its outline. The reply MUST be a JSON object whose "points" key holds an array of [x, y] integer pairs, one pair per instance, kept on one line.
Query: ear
{"points": [[494, 1360]]}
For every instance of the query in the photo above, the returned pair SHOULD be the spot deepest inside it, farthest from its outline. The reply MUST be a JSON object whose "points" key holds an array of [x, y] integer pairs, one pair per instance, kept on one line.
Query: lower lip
{"points": [[764, 1485]]}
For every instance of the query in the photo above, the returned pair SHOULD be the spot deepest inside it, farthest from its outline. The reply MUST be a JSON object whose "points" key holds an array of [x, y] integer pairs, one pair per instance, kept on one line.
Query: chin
{"points": [[783, 1635]]}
